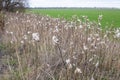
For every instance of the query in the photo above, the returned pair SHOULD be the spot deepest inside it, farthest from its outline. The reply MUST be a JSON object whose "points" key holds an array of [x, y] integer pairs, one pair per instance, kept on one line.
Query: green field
{"points": [[110, 16]]}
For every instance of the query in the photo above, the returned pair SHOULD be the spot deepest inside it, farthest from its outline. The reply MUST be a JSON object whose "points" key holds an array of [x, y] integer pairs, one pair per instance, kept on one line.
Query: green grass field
{"points": [[110, 16]]}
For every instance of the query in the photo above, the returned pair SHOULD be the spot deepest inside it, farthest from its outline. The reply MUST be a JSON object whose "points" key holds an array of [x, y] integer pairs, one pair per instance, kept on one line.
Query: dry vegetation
{"points": [[43, 48]]}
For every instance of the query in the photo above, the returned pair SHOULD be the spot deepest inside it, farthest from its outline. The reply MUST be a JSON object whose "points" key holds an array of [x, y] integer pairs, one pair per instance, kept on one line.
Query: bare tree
{"points": [[13, 5]]}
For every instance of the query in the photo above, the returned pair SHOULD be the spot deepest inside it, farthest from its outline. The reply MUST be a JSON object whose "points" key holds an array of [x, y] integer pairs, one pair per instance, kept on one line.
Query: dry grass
{"points": [[1, 23], [44, 48]]}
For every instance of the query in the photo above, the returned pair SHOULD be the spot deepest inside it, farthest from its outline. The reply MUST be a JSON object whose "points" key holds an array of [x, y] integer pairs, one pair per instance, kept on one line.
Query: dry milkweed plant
{"points": [[43, 48]]}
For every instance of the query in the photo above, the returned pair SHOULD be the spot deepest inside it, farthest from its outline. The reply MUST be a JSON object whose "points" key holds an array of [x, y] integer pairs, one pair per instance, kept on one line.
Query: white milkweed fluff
{"points": [[67, 61], [118, 35], [85, 47], [92, 78], [80, 26], [90, 59], [25, 37], [56, 29], [29, 32], [55, 40], [97, 64], [89, 39], [22, 42], [78, 70], [35, 36]]}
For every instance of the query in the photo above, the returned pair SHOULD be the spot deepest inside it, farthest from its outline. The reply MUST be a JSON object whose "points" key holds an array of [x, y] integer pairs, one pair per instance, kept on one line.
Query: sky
{"points": [[75, 3]]}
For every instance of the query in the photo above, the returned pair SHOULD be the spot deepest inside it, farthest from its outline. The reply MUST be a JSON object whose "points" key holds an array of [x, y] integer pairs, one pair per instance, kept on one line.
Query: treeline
{"points": [[13, 5]]}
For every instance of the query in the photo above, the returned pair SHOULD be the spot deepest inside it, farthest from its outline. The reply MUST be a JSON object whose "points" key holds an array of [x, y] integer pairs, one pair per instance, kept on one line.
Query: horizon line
{"points": [[78, 7]]}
